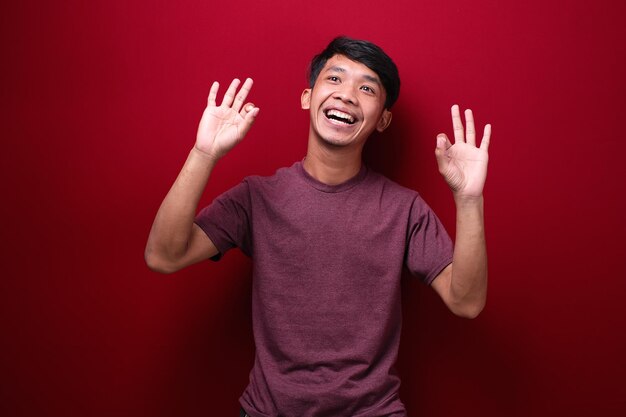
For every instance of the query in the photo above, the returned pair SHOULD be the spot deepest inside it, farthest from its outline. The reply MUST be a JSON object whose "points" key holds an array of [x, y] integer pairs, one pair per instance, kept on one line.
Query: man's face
{"points": [[346, 104]]}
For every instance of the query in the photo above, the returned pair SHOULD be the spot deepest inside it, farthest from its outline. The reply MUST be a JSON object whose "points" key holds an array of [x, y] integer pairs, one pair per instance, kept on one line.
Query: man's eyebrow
{"points": [[372, 79], [366, 77], [336, 69]]}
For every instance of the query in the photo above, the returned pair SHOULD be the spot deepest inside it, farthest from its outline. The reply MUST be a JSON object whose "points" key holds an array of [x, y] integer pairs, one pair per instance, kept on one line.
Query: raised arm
{"points": [[175, 241], [463, 284]]}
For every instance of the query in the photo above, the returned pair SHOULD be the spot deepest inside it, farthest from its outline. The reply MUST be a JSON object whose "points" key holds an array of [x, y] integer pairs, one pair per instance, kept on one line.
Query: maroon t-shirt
{"points": [[326, 286]]}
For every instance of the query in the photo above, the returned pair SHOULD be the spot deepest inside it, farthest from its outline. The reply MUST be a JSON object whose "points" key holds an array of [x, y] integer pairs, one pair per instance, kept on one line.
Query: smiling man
{"points": [[329, 239]]}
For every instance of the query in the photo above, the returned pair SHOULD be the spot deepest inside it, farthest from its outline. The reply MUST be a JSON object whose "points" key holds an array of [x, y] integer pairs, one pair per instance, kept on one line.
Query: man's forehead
{"points": [[343, 64]]}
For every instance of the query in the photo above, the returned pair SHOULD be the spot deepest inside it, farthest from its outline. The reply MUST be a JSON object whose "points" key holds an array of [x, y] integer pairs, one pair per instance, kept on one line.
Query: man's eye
{"points": [[367, 89], [333, 78]]}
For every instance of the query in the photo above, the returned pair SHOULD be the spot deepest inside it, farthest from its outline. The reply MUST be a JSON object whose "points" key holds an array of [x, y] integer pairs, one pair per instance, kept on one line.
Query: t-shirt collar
{"points": [[337, 188]]}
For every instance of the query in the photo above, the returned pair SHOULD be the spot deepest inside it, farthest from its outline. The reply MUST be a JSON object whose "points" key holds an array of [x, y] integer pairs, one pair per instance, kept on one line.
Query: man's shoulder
{"points": [[390, 186], [280, 175]]}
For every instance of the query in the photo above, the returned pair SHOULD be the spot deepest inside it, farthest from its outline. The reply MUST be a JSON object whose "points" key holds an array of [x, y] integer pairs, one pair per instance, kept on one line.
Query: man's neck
{"points": [[332, 165]]}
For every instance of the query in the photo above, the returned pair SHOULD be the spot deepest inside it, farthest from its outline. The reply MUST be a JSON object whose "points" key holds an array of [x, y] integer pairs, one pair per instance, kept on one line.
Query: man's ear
{"points": [[305, 99], [384, 121]]}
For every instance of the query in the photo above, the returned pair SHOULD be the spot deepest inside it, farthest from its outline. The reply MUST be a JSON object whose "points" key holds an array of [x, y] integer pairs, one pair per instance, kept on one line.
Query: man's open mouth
{"points": [[339, 116]]}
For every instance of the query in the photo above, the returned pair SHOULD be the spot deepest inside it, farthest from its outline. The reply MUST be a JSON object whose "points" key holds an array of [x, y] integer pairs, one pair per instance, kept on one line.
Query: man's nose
{"points": [[347, 93]]}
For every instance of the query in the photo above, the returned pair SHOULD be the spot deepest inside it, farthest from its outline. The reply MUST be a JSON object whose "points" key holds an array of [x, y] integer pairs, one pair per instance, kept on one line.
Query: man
{"points": [[329, 238]]}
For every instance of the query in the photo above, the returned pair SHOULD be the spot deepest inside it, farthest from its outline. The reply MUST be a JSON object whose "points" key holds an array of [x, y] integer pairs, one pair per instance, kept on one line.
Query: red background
{"points": [[101, 100]]}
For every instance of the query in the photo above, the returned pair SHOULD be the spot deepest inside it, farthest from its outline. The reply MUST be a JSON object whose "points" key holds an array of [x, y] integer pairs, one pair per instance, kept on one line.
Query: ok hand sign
{"points": [[224, 126], [463, 165]]}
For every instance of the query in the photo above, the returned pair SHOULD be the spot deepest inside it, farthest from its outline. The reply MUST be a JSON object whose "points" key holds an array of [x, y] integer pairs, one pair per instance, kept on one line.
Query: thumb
{"points": [[443, 143], [249, 117], [252, 114], [247, 109], [249, 113]]}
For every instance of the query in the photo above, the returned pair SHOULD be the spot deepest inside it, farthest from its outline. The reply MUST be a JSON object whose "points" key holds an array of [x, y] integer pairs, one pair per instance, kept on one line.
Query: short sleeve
{"points": [[226, 221], [429, 247]]}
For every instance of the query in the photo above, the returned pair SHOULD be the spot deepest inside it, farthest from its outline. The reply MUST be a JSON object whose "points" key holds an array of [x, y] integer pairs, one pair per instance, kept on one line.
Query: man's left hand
{"points": [[464, 164]]}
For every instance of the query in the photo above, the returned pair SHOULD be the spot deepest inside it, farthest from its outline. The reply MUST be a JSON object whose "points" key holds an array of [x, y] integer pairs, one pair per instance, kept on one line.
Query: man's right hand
{"points": [[224, 126]]}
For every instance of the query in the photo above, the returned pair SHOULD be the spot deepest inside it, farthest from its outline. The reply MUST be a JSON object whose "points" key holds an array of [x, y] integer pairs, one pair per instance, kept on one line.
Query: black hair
{"points": [[365, 53]]}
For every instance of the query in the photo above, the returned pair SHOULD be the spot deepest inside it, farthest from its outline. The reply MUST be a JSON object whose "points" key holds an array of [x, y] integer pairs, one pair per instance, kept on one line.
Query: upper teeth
{"points": [[341, 115]]}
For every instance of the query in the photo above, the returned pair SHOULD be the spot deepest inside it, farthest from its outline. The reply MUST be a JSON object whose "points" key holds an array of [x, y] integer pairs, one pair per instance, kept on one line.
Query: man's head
{"points": [[365, 53]]}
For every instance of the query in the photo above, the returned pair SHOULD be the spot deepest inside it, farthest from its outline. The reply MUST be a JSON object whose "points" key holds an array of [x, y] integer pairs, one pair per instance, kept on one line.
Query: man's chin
{"points": [[336, 142]]}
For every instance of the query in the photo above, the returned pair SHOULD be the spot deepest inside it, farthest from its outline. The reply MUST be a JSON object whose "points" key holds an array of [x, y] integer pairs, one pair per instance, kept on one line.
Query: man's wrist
{"points": [[465, 201], [204, 156]]}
